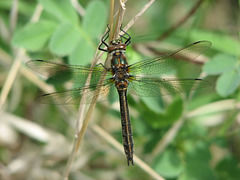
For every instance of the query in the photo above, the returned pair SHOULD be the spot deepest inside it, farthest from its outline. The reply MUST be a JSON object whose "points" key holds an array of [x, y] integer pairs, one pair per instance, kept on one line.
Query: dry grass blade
{"points": [[111, 19], [168, 137], [81, 126], [11, 76], [218, 106], [121, 12], [13, 16], [31, 129], [78, 7], [181, 21], [16, 64], [143, 10]]}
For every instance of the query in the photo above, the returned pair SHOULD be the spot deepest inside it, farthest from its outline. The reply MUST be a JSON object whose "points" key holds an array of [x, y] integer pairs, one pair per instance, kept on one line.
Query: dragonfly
{"points": [[147, 78]]}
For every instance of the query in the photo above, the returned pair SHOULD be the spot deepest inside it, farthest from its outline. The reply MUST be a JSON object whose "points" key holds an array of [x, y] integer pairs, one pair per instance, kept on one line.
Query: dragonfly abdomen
{"points": [[126, 126]]}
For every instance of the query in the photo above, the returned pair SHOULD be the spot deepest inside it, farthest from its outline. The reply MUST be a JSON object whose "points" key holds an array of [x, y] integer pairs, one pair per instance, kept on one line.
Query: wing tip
{"points": [[204, 41]]}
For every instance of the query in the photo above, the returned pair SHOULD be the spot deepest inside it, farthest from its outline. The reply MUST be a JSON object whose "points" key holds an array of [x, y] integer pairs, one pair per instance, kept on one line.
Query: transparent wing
{"points": [[169, 62], [78, 74], [143, 86], [101, 92]]}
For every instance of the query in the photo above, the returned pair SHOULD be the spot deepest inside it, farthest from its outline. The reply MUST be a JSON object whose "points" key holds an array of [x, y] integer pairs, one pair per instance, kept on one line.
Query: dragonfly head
{"points": [[116, 42]]}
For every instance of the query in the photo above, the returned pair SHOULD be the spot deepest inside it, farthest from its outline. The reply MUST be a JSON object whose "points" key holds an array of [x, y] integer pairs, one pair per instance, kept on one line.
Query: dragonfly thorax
{"points": [[121, 73], [121, 77], [119, 64], [118, 57]]}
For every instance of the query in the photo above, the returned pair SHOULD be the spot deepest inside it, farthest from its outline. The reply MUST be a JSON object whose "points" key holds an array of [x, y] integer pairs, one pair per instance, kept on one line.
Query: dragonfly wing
{"points": [[78, 74], [101, 92], [143, 86], [169, 62]]}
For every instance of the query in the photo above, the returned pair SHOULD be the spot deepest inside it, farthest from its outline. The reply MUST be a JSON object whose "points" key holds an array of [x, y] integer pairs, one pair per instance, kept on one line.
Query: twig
{"points": [[168, 137], [111, 20], [121, 12], [4, 31], [78, 7], [37, 13], [11, 76], [219, 106], [13, 16], [138, 15], [181, 21]]}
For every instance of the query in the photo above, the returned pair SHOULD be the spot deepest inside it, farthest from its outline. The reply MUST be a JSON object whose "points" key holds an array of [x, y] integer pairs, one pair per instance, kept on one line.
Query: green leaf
{"points": [[197, 163], [228, 82], [95, 18], [24, 7], [62, 9], [172, 113], [153, 103], [221, 42], [175, 109], [219, 64], [34, 36], [168, 164], [228, 169], [238, 67], [65, 39], [82, 54]]}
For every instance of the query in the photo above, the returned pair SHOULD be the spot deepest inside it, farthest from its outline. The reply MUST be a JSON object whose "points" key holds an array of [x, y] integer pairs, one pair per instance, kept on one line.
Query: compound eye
{"points": [[116, 42]]}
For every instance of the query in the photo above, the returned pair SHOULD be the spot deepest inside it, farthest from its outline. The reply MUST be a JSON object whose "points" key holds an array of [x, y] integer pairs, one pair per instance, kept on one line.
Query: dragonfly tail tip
{"points": [[130, 160]]}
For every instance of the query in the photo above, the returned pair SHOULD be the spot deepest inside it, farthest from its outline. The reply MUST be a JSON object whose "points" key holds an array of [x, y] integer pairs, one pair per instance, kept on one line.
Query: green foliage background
{"points": [[206, 144]]}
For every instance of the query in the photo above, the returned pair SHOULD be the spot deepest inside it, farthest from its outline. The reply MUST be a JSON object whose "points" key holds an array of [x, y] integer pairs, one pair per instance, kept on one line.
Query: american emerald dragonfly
{"points": [[144, 78]]}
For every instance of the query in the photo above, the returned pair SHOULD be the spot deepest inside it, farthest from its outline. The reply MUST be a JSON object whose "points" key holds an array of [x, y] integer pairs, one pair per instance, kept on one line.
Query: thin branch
{"points": [[78, 7], [111, 8], [37, 13], [13, 16], [168, 137], [219, 106], [143, 10], [181, 21], [4, 31], [121, 12], [11, 77]]}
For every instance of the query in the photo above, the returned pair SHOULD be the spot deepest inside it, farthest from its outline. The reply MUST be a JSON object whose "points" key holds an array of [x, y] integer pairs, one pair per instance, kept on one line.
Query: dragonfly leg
{"points": [[128, 38], [103, 40], [107, 69]]}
